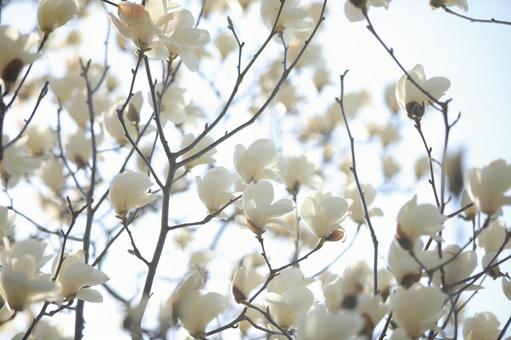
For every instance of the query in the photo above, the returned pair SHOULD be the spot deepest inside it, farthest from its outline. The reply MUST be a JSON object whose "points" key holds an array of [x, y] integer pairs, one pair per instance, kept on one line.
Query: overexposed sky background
{"points": [[474, 56]]}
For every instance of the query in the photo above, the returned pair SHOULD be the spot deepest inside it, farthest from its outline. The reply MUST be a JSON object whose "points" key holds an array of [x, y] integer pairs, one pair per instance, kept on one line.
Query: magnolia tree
{"points": [[192, 170]]}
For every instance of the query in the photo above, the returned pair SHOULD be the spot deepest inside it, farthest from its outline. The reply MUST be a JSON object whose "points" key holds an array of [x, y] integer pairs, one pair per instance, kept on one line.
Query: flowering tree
{"points": [[190, 178]]}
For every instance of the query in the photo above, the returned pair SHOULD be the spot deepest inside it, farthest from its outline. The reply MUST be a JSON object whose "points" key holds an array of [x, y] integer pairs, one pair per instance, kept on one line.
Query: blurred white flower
{"points": [[296, 171], [356, 207], [7, 218], [456, 270], [52, 14], [482, 326], [14, 53], [21, 283], [131, 118], [493, 236], [79, 148], [244, 281], [411, 99], [214, 188], [225, 43], [372, 309], [205, 142], [353, 8], [44, 331], [323, 213], [292, 22], [186, 41], [286, 306], [461, 4], [318, 324], [130, 190], [75, 277], [405, 268], [487, 187], [417, 309], [257, 162], [390, 166], [506, 287], [39, 140], [52, 173], [259, 208], [15, 162], [415, 220]]}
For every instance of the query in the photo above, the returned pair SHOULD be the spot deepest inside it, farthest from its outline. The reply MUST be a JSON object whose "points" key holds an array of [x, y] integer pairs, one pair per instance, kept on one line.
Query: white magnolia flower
{"points": [[15, 162], [186, 41], [259, 208], [461, 4], [225, 43], [131, 118], [372, 309], [318, 324], [257, 162], [130, 190], [506, 287], [204, 143], [421, 167], [487, 187], [405, 268], [292, 21], [287, 306], [415, 220], [356, 208], [411, 99], [7, 218], [39, 140], [354, 12], [52, 173], [215, 188], [173, 104], [14, 53], [390, 166], [145, 24], [244, 281], [493, 236], [75, 277], [417, 309], [458, 269], [77, 106], [482, 326], [197, 309], [296, 171], [52, 14], [21, 283], [323, 213], [79, 148]]}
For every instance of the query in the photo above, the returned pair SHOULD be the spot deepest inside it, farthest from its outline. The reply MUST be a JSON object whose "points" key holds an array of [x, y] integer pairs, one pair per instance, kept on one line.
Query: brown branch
{"points": [[484, 21]]}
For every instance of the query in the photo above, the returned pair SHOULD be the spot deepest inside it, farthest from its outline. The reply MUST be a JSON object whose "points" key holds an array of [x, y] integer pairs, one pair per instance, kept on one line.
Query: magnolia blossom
{"points": [[21, 283], [186, 41], [373, 310], [456, 270], [214, 188], [244, 281], [256, 162], [204, 143], [324, 213], [461, 4], [52, 173], [79, 148], [39, 140], [143, 24], [405, 268], [415, 220], [356, 208], [52, 14], [75, 277], [411, 99], [7, 218], [482, 326], [197, 308], [417, 309], [390, 167], [225, 43], [130, 190], [173, 104], [292, 21], [296, 171], [318, 324], [78, 109], [353, 8], [14, 53], [15, 162], [44, 331], [493, 237], [288, 297], [259, 208], [487, 187], [506, 287], [131, 118]]}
